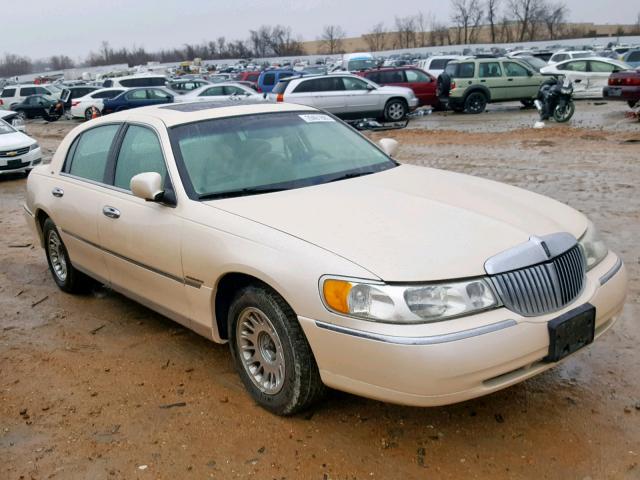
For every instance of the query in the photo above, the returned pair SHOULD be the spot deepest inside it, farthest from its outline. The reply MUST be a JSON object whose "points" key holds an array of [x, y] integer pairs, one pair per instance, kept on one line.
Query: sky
{"points": [[76, 27]]}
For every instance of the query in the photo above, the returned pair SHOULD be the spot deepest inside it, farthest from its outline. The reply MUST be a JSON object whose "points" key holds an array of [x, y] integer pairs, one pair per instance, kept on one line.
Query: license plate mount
{"points": [[571, 331]]}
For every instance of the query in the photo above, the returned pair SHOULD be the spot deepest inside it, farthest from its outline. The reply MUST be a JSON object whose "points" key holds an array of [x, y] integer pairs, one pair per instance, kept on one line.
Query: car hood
{"points": [[390, 89], [411, 223], [14, 140]]}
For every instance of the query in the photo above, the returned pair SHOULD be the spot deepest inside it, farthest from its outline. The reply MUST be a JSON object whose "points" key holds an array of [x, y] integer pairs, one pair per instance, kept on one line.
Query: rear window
{"points": [[439, 63], [280, 87], [269, 79], [8, 92], [634, 56], [461, 70], [26, 91]]}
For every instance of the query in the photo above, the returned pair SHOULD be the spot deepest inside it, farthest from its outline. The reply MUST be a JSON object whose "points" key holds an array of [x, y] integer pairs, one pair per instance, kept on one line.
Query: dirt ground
{"points": [[86, 381]]}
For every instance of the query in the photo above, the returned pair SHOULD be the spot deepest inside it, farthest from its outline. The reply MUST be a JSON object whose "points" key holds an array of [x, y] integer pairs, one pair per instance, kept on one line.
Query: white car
{"points": [[319, 258], [18, 151], [589, 75], [563, 55], [83, 107], [435, 65], [13, 94], [220, 92]]}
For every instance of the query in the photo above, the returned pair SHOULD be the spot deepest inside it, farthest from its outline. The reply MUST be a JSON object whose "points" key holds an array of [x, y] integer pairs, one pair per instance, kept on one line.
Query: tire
{"points": [[475, 103], [264, 334], [562, 115], [527, 103], [395, 110], [22, 114], [64, 274], [88, 113], [632, 103], [443, 85]]}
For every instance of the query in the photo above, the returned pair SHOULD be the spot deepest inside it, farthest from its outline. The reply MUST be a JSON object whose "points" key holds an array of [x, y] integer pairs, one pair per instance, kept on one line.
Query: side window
{"points": [[577, 66], [269, 79], [514, 70], [154, 94], [354, 83], [492, 69], [140, 152], [231, 90], [107, 83], [90, 157], [213, 92], [137, 95], [602, 67], [42, 91], [466, 70], [26, 91], [417, 76], [8, 92], [374, 77], [392, 76]]}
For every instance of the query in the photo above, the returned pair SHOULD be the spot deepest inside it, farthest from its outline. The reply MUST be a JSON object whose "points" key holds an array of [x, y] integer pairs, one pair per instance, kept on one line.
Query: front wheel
{"points": [[64, 273], [563, 113], [271, 353], [395, 111], [476, 102]]}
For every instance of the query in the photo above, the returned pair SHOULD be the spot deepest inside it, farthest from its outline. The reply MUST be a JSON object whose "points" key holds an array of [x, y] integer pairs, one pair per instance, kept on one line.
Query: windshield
{"points": [[582, 55], [362, 64], [5, 127], [533, 62], [251, 154]]}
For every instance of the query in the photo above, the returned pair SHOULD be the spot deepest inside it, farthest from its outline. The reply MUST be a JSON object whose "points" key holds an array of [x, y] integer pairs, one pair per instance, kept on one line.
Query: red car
{"points": [[247, 77], [422, 84], [624, 86]]}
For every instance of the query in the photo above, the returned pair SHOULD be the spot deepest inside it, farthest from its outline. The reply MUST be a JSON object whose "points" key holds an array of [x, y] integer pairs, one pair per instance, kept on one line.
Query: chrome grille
{"points": [[542, 288], [14, 153]]}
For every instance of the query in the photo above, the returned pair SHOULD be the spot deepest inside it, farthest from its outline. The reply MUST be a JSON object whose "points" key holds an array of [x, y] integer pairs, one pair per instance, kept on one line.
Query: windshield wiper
{"points": [[346, 176], [240, 193]]}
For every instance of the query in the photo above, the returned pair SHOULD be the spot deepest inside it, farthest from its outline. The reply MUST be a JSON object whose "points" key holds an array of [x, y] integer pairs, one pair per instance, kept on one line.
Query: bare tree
{"points": [[554, 16], [60, 62], [405, 32], [332, 39], [467, 15], [12, 65], [421, 29], [506, 30], [376, 38], [636, 27], [492, 17], [526, 13]]}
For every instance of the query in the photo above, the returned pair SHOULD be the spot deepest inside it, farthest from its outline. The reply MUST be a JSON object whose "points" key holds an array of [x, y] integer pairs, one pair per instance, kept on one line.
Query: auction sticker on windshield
{"points": [[313, 118]]}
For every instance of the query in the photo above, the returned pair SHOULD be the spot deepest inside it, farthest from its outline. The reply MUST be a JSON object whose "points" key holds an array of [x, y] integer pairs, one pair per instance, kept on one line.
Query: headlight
{"points": [[33, 147], [592, 246], [407, 303]]}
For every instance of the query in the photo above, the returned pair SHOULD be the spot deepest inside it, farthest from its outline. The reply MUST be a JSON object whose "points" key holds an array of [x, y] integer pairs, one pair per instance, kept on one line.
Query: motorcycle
{"points": [[555, 99]]}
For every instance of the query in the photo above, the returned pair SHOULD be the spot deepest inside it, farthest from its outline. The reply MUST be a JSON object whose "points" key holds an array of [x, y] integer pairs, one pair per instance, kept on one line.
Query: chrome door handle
{"points": [[57, 192], [110, 212]]}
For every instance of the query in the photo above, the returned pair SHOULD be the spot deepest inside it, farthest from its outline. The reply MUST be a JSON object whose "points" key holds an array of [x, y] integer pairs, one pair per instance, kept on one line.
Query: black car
{"points": [[35, 106]]}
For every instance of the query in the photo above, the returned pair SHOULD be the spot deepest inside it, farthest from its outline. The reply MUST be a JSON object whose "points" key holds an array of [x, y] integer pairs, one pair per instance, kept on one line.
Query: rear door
{"points": [[156, 96], [598, 78], [134, 99], [490, 76], [328, 94], [422, 84]]}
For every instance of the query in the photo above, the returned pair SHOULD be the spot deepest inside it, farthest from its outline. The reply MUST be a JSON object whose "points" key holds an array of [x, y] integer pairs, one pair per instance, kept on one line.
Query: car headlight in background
{"points": [[592, 246], [407, 303], [33, 147]]}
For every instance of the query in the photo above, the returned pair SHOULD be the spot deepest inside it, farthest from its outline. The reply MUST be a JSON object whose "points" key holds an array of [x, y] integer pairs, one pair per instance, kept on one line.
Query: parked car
{"points": [[83, 107], [356, 62], [220, 77], [624, 86], [320, 259], [35, 106], [183, 86], [222, 92], [248, 76], [137, 97], [15, 94], [588, 75], [475, 82], [130, 81], [69, 94], [435, 65], [347, 96], [18, 151], [535, 63], [632, 58], [13, 119], [422, 84], [269, 78], [543, 55], [564, 55]]}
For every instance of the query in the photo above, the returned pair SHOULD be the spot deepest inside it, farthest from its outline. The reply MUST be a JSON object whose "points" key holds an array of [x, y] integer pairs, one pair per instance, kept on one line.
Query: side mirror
{"points": [[370, 87], [530, 73], [148, 186], [389, 146]]}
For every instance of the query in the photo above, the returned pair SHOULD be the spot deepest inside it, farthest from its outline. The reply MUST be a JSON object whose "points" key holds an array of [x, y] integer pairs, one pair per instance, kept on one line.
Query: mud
{"points": [[97, 386]]}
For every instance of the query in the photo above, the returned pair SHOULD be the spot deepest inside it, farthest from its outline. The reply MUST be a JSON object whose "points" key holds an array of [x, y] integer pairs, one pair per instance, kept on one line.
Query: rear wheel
{"points": [[395, 110], [88, 113], [475, 102], [271, 353], [632, 103], [64, 273]]}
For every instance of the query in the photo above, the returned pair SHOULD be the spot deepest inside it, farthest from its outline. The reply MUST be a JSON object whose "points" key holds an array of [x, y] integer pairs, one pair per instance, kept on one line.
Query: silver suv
{"points": [[347, 96]]}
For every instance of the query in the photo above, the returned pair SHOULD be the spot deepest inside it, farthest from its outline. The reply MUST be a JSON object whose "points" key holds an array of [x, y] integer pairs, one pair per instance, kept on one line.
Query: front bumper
{"points": [[498, 349], [21, 163]]}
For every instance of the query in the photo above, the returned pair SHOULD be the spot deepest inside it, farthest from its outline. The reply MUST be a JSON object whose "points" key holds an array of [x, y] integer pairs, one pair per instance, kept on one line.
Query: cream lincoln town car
{"points": [[320, 259]]}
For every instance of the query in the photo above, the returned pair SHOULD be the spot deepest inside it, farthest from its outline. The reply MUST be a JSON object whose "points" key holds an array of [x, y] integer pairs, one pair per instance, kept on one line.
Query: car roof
{"points": [[181, 113]]}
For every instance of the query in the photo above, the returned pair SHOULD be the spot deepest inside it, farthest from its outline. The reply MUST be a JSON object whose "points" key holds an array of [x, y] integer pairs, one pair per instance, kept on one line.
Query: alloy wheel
{"points": [[57, 256], [396, 111]]}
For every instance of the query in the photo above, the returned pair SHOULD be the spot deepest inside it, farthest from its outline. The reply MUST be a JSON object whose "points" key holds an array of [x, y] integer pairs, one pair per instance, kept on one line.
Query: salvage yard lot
{"points": [[97, 386]]}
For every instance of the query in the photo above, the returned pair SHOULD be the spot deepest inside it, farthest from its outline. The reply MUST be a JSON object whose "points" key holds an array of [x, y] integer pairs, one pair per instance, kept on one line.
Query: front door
{"points": [[490, 76], [360, 97], [522, 84], [142, 239], [575, 71]]}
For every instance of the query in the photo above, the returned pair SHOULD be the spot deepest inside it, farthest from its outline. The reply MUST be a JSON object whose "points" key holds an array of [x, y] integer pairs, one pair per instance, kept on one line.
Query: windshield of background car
{"points": [[533, 62], [363, 64], [237, 156], [5, 128]]}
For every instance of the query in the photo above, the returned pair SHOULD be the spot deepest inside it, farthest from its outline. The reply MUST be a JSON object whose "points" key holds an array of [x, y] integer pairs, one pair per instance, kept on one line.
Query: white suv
{"points": [[347, 96], [14, 94]]}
